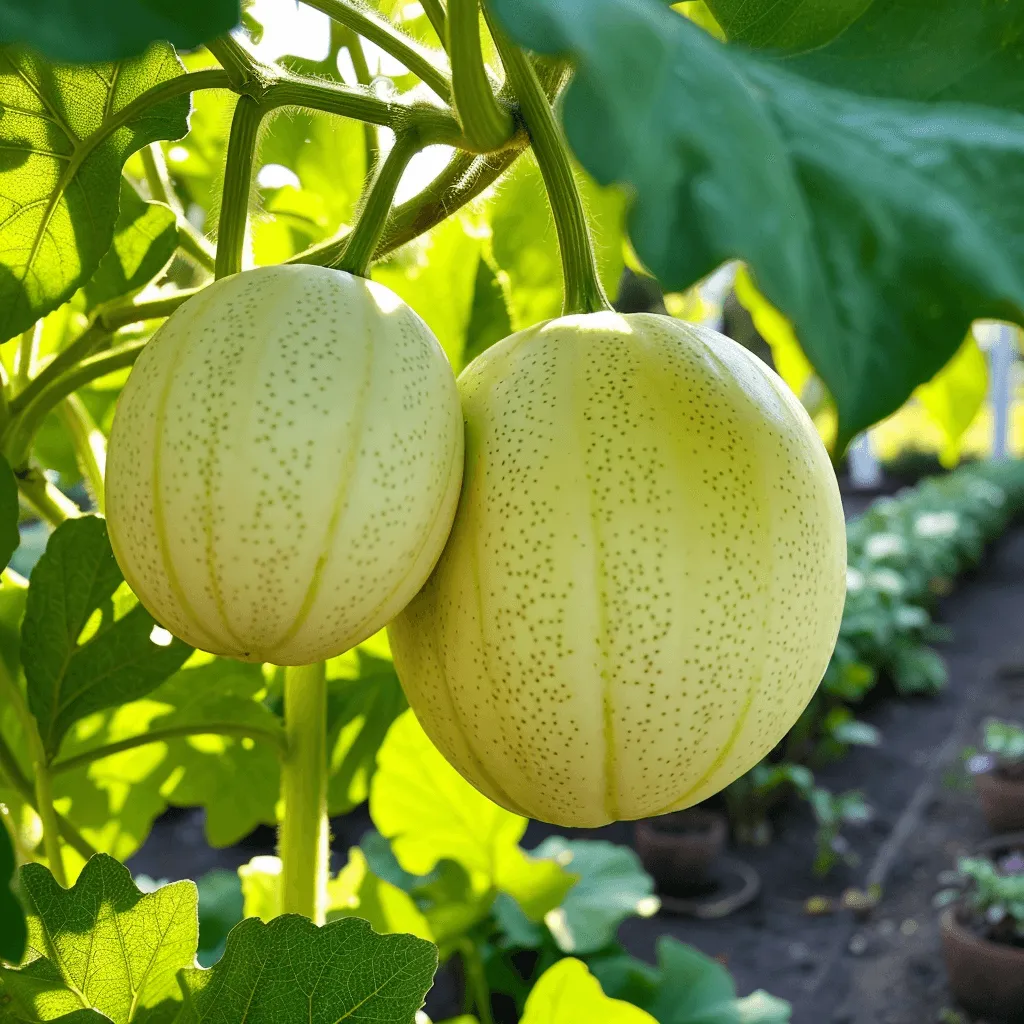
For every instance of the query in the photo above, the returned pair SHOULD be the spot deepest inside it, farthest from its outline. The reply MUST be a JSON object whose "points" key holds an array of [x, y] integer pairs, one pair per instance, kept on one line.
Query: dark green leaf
{"points": [[929, 50], [791, 25], [880, 228], [103, 943], [61, 166], [9, 536], [13, 932], [75, 580], [489, 319], [612, 886], [85, 32], [290, 970], [220, 909], [145, 237]]}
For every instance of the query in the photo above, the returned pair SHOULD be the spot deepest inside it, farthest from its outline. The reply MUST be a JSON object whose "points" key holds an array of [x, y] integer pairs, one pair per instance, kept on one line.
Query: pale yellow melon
{"points": [[284, 464], [645, 577]]}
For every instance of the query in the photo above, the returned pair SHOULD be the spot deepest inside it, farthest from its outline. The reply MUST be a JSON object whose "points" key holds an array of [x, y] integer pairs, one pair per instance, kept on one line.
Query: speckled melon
{"points": [[284, 464], [645, 577]]}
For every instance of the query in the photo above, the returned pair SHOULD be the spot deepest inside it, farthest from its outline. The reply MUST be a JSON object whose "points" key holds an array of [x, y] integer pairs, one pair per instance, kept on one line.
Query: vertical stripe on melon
{"points": [[284, 464], [645, 577]]}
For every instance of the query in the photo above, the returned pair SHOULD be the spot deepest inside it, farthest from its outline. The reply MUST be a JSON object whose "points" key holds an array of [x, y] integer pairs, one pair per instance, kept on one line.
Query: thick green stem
{"points": [[28, 348], [487, 123], [434, 11], [303, 842], [428, 66], [54, 506], [232, 729], [234, 210], [476, 981], [89, 443], [241, 68], [379, 196], [583, 291], [354, 45], [51, 828]]}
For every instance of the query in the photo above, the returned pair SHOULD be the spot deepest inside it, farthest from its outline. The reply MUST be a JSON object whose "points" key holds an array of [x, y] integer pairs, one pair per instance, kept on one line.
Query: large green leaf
{"points": [[928, 50], [120, 661], [84, 32], [880, 228], [61, 168], [612, 886], [114, 801], [291, 971], [13, 931], [790, 25], [103, 945], [430, 813], [567, 993], [9, 536], [145, 237]]}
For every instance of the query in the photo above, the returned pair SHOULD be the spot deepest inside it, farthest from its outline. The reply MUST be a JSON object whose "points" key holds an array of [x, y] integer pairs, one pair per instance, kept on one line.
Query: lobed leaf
{"points": [[568, 993], [290, 970], [66, 678], [880, 228], [790, 25], [60, 168]]}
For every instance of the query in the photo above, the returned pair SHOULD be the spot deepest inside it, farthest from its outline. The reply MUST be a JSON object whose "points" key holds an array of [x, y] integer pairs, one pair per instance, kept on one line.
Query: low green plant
{"points": [[1004, 741], [995, 896]]}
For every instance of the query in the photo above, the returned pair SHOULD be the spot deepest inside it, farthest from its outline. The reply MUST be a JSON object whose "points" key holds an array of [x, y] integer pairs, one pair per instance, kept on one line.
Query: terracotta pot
{"points": [[678, 849], [986, 978], [1002, 801]]}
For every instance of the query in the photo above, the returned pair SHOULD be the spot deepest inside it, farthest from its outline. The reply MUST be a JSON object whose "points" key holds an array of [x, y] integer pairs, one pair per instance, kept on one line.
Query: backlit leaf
{"points": [[790, 25], [568, 993]]}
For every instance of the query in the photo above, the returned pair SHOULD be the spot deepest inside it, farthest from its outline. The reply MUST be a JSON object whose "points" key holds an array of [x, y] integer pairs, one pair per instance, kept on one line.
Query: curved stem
{"points": [[54, 506], [28, 348], [583, 291], [434, 11], [354, 45], [427, 65], [476, 980], [89, 444], [379, 196], [240, 66], [486, 123], [23, 428], [302, 844], [234, 210], [172, 732], [161, 188]]}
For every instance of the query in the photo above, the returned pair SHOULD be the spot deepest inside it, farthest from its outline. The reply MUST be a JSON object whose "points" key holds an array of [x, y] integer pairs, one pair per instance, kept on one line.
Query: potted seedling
{"points": [[999, 775], [983, 937]]}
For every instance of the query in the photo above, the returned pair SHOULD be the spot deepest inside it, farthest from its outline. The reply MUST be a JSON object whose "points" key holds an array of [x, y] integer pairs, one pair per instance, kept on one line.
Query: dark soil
{"points": [[885, 968]]}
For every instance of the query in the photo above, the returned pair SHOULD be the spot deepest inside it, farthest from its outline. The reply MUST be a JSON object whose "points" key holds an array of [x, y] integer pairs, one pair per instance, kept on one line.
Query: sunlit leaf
{"points": [[104, 945], [789, 25], [568, 993], [61, 169], [291, 970]]}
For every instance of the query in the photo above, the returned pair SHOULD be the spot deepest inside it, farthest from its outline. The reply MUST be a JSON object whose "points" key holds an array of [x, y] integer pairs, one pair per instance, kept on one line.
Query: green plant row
{"points": [[904, 553]]}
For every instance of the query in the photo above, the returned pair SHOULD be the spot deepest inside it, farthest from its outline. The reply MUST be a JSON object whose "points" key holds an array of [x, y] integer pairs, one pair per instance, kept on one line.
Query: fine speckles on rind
{"points": [[284, 464], [649, 552]]}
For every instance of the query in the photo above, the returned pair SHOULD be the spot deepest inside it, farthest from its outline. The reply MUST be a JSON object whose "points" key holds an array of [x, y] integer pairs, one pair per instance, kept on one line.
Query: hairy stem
{"points": [[380, 194], [486, 122], [25, 360], [303, 845], [435, 13], [171, 732], [583, 291], [427, 65], [90, 446], [234, 210]]}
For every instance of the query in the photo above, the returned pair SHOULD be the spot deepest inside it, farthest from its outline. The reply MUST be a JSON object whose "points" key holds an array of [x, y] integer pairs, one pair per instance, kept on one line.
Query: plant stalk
{"points": [[485, 121], [435, 13], [89, 443], [234, 211], [476, 981], [28, 349], [377, 200], [351, 42], [583, 290], [303, 842], [53, 505]]}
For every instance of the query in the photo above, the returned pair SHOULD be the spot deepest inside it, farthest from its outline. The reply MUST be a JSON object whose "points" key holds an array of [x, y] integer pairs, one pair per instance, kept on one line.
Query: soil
{"points": [[835, 968]]}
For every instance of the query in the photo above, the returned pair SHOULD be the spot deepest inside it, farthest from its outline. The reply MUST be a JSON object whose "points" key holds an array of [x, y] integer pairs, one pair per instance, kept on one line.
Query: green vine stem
{"points": [[426, 64], [476, 980], [54, 506], [234, 210], [28, 348], [376, 204], [191, 241], [89, 444], [351, 42], [434, 11], [488, 124], [583, 290], [302, 844], [231, 729]]}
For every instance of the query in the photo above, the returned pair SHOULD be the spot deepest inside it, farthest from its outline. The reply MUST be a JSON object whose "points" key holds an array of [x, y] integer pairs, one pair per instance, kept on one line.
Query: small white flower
{"points": [[886, 580], [854, 579], [884, 545], [936, 524]]}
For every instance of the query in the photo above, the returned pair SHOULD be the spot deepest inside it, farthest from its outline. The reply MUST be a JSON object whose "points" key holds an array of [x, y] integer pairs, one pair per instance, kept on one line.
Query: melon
{"points": [[645, 577], [284, 464]]}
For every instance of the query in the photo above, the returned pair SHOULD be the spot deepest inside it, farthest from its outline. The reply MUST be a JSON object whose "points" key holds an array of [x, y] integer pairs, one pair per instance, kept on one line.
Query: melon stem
{"points": [[303, 840]]}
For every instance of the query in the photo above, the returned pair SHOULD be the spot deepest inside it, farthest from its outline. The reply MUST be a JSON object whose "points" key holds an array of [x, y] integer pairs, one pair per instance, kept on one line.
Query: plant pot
{"points": [[1002, 801], [986, 978], [678, 849]]}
